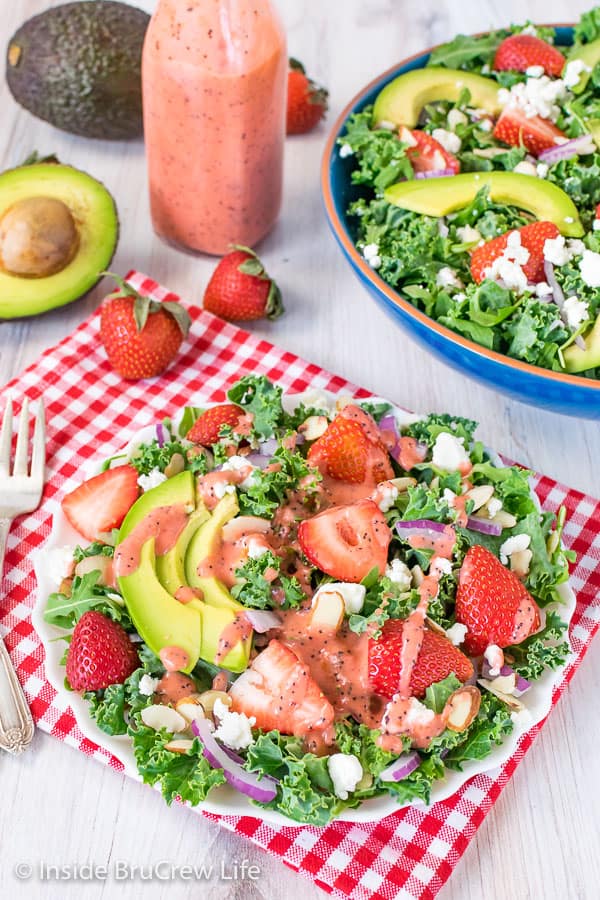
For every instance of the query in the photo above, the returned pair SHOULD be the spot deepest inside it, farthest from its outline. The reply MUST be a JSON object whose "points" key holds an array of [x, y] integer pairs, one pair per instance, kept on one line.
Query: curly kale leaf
{"points": [[260, 397], [152, 456], [256, 592], [381, 158], [588, 27], [547, 649], [427, 430]]}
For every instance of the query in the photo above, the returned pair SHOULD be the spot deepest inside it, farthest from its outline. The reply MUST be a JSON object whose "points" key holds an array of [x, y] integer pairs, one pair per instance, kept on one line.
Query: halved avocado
{"points": [[401, 101], [577, 359], [590, 55], [58, 232], [440, 196]]}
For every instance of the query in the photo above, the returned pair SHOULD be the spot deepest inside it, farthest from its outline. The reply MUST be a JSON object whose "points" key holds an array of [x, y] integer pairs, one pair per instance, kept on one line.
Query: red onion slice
{"points": [[262, 620], [160, 434], [484, 526], [419, 526], [521, 684], [258, 459], [268, 447], [401, 767], [435, 173], [263, 790], [582, 145]]}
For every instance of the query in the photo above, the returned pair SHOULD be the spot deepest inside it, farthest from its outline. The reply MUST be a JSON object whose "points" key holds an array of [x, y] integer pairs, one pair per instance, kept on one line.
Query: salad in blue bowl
{"points": [[464, 188]]}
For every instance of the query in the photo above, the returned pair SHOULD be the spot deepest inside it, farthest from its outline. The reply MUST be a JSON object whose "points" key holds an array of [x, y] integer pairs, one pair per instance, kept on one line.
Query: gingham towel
{"points": [[408, 854]]}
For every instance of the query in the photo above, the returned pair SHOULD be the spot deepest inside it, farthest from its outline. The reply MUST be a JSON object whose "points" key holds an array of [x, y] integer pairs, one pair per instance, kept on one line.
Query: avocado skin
{"points": [[78, 66]]}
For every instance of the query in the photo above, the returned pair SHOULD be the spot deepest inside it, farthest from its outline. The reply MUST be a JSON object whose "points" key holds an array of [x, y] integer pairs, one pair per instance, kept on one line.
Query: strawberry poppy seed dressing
{"points": [[214, 89]]}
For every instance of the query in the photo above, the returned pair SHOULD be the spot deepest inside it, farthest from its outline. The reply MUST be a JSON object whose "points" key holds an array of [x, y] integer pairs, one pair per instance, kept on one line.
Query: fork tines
{"points": [[20, 467]]}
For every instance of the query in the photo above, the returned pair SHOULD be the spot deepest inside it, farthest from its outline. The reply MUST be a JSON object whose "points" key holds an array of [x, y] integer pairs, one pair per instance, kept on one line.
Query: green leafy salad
{"points": [[481, 207], [259, 642]]}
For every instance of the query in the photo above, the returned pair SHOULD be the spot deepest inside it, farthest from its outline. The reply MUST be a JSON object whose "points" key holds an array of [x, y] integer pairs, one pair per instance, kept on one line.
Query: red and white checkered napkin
{"points": [[92, 410]]}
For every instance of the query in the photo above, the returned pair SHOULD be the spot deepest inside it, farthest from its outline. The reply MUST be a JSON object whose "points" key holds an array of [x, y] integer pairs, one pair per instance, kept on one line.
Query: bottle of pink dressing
{"points": [[214, 78]]}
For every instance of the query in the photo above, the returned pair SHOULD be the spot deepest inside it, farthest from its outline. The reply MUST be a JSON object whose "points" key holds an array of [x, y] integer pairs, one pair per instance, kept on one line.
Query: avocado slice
{"points": [[577, 359], [401, 101], [590, 55], [158, 617], [47, 204], [440, 196], [205, 543], [78, 66], [170, 567], [179, 490]]}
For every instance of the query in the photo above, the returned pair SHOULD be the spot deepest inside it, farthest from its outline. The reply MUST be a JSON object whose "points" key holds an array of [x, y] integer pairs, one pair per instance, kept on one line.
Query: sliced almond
{"points": [[520, 562], [342, 402], [403, 484], [158, 716], [328, 611], [463, 706], [190, 708], [504, 683], [480, 495], [505, 519], [209, 698], [511, 702], [313, 427], [552, 542], [179, 746], [433, 626], [406, 137], [417, 575]]}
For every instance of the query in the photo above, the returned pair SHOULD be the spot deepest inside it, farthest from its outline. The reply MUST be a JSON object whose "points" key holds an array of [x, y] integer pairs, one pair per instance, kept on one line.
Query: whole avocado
{"points": [[78, 66]]}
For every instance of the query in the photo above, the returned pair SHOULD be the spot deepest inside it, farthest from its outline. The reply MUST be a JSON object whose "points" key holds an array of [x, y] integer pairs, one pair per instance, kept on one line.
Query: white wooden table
{"points": [[58, 807]]}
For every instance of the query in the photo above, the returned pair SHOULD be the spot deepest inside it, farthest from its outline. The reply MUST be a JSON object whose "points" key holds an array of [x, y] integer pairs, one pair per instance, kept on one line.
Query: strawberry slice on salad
{"points": [[491, 601], [520, 52], [426, 154], [534, 133], [437, 659], [347, 542], [101, 503], [352, 449], [279, 692], [532, 237], [206, 429]]}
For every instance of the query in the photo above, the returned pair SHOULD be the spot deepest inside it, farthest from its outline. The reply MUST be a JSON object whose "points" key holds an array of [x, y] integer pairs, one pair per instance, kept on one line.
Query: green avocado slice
{"points": [[170, 567], [577, 359], [401, 101], [204, 544], [95, 216], [590, 55], [440, 196], [159, 618], [179, 490]]}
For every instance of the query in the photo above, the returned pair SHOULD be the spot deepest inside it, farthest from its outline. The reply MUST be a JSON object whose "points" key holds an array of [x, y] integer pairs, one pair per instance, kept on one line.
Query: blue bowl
{"points": [[562, 393]]}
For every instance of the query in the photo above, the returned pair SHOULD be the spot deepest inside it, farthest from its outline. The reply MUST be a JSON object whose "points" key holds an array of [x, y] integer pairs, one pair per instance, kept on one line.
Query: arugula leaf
{"points": [[97, 548], [65, 611], [191, 414], [257, 395], [547, 649], [467, 51], [436, 695]]}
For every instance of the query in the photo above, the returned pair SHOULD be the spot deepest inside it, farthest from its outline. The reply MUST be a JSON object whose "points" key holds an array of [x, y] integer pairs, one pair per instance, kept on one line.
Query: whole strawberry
{"points": [[307, 102], [141, 336], [240, 289], [100, 654], [207, 428]]}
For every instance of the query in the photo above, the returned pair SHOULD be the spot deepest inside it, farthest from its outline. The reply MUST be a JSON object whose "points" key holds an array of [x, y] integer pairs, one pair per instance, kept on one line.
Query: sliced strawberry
{"points": [[352, 449], [206, 429], [100, 654], [347, 542], [101, 503], [437, 659], [520, 51], [535, 134], [533, 238], [426, 154], [494, 605], [280, 693]]}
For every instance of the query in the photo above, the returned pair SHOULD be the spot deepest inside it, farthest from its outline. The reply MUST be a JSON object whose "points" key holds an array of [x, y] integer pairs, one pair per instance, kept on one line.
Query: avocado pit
{"points": [[38, 237]]}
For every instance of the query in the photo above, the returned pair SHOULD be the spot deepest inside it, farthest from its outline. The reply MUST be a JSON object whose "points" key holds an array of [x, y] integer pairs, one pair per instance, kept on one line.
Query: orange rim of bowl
{"points": [[393, 296]]}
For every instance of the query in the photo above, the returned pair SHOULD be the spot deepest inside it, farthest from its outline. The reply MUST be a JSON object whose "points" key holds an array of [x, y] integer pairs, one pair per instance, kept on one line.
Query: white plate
{"points": [[224, 800]]}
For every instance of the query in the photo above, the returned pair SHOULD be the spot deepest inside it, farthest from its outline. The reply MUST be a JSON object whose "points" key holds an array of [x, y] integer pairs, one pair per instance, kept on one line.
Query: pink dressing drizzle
{"points": [[174, 658], [164, 524], [239, 629]]}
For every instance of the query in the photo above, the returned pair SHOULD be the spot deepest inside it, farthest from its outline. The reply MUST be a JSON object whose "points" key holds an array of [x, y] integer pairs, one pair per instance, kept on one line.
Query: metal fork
{"points": [[20, 492]]}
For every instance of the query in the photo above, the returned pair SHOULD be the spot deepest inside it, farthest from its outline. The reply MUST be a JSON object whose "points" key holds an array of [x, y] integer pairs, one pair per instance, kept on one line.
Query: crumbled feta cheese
{"points": [[234, 729], [151, 480], [238, 464], [468, 235], [147, 685], [447, 277], [494, 506], [440, 566], [596, 225], [542, 169], [449, 496], [534, 71], [573, 72], [442, 228], [525, 168], [494, 657], [449, 453], [353, 595], [559, 252], [485, 69], [346, 150], [459, 296], [345, 771], [522, 718], [387, 495], [536, 97], [529, 29], [449, 141], [221, 488], [577, 311], [509, 272], [513, 545], [543, 289], [589, 266], [370, 250], [457, 633], [456, 117], [485, 124], [399, 573], [418, 713], [58, 563]]}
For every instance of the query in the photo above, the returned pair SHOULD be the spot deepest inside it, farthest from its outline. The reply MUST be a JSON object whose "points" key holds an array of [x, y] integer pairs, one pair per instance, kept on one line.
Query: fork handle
{"points": [[16, 723]]}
